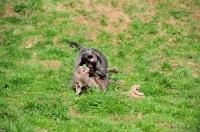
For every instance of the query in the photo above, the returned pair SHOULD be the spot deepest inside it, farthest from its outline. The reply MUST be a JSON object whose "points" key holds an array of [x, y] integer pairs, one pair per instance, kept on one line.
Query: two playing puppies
{"points": [[96, 74], [86, 78], [91, 56]]}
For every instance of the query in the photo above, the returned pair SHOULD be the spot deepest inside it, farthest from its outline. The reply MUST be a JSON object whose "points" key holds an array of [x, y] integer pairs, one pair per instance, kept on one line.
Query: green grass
{"points": [[154, 44]]}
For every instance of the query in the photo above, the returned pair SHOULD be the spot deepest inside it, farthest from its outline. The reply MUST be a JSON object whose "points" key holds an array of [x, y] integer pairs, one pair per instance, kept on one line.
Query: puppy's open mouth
{"points": [[91, 58], [84, 70]]}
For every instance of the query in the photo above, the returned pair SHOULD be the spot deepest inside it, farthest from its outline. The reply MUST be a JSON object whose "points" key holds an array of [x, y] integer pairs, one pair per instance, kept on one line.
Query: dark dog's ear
{"points": [[84, 52], [97, 52]]}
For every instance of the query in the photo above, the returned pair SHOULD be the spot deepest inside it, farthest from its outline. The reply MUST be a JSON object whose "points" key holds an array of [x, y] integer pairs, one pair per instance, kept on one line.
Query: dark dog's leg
{"points": [[112, 70], [105, 79]]}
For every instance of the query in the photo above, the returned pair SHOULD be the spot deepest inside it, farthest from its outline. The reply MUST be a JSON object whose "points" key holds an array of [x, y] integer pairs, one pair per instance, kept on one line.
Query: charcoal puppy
{"points": [[93, 57]]}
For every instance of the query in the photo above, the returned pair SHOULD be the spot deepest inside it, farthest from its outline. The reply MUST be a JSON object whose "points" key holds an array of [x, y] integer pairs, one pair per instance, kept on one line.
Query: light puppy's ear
{"points": [[79, 69], [78, 89]]}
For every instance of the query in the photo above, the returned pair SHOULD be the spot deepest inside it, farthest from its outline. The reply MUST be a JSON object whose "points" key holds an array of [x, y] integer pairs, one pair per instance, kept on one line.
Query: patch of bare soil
{"points": [[195, 15], [31, 41], [146, 17], [195, 72], [38, 129], [56, 40], [61, 7], [116, 19], [92, 35], [118, 117], [51, 63], [153, 1], [1, 39], [162, 33], [73, 111], [115, 118], [161, 123], [46, 63], [178, 23], [28, 43], [128, 68], [175, 64], [139, 115], [9, 12], [157, 60], [172, 20], [149, 8]]}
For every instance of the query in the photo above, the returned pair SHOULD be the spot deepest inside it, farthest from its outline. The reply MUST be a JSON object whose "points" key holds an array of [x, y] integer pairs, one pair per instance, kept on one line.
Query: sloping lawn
{"points": [[155, 44]]}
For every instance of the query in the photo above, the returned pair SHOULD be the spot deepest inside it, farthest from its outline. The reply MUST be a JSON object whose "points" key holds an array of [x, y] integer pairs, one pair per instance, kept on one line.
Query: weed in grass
{"points": [[166, 66], [120, 19], [115, 3], [104, 36], [36, 5], [19, 7], [103, 20], [178, 14], [13, 19], [83, 12]]}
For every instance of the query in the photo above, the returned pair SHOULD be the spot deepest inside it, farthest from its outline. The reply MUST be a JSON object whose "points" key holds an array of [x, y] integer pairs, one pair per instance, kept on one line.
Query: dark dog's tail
{"points": [[72, 44]]}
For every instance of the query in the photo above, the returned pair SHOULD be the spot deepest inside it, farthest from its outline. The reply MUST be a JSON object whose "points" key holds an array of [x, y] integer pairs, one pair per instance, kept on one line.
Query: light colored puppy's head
{"points": [[81, 77]]}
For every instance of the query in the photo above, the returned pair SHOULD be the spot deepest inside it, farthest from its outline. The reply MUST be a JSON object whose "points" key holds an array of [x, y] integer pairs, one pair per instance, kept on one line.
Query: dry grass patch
{"points": [[148, 14], [56, 39], [116, 19], [61, 7], [195, 16], [161, 123], [128, 68], [92, 35], [1, 39], [73, 111], [174, 64], [46, 63], [28, 43], [38, 129], [9, 11], [124, 118], [51, 63], [146, 9]]}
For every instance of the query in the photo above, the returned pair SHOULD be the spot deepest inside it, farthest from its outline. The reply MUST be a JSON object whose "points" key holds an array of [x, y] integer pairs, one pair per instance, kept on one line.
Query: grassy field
{"points": [[155, 44]]}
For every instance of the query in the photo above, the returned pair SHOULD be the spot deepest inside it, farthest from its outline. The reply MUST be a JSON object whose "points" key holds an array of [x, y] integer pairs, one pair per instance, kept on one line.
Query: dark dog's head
{"points": [[90, 55]]}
